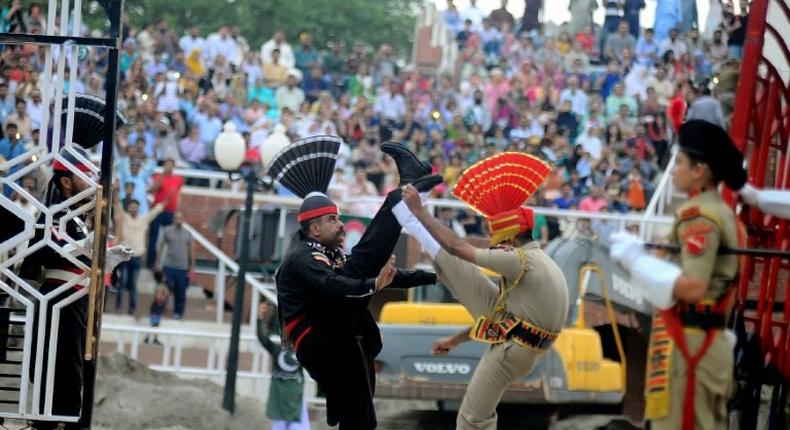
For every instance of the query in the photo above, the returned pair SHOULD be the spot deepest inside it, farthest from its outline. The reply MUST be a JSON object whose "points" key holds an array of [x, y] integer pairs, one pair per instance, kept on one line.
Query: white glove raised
{"points": [[771, 202], [115, 256], [625, 248], [749, 195]]}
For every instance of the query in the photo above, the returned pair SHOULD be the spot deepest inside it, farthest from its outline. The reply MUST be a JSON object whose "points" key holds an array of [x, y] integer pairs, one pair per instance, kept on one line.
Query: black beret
{"points": [[711, 144], [315, 205]]}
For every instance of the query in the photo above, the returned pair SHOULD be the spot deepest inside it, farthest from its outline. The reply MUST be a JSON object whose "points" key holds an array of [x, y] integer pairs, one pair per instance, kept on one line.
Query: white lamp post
{"points": [[229, 149]]}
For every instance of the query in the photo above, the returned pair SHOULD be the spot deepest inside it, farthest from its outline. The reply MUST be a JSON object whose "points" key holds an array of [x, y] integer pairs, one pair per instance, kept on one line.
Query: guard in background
{"points": [[690, 366], [285, 405], [49, 270], [323, 293], [523, 317]]}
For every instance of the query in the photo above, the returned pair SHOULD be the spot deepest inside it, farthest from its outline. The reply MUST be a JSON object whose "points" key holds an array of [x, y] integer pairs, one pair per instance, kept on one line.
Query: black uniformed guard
{"points": [[50, 270], [323, 296]]}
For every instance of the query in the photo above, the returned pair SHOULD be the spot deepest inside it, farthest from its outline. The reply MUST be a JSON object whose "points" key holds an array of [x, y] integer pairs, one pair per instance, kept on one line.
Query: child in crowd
{"points": [[157, 306]]}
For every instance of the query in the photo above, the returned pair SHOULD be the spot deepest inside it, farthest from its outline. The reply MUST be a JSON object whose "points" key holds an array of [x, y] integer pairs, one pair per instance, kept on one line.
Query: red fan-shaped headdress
{"points": [[497, 188]]}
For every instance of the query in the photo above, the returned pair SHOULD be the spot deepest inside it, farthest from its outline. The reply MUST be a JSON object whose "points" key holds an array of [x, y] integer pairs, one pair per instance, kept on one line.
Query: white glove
{"points": [[115, 256], [655, 279], [412, 226], [730, 337], [749, 195], [771, 202], [625, 248]]}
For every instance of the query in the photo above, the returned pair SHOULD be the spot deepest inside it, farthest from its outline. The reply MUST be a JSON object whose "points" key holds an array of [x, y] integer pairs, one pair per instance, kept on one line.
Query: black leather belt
{"points": [[702, 320], [529, 336]]}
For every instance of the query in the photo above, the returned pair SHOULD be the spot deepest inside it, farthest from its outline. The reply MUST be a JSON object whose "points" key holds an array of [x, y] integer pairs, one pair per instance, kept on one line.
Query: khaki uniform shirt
{"points": [[704, 223], [541, 297]]}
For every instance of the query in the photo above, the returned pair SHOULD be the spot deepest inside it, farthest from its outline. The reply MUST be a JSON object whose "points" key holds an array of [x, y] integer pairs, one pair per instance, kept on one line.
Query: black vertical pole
{"points": [[114, 9], [229, 396]]}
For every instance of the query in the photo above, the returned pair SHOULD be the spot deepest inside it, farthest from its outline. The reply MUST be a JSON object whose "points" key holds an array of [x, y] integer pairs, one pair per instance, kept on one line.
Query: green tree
{"points": [[372, 22]]}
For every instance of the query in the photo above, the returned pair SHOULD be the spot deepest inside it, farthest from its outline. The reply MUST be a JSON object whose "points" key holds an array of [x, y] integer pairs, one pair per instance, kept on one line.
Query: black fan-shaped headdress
{"points": [[89, 119], [307, 165]]}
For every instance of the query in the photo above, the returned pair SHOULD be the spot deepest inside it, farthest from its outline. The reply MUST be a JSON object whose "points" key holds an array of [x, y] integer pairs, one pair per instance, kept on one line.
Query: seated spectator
{"points": [[595, 202], [625, 120], [577, 54], [587, 38], [527, 128], [290, 95], [567, 121], [262, 93], [20, 118], [192, 149], [619, 41], [636, 192], [646, 49], [567, 200], [608, 80], [617, 99], [167, 147], [673, 43], [575, 96], [592, 143], [274, 73]]}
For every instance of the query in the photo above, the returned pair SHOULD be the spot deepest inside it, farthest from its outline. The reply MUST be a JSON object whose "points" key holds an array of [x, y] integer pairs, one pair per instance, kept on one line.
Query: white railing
{"points": [[662, 196], [225, 264], [254, 379]]}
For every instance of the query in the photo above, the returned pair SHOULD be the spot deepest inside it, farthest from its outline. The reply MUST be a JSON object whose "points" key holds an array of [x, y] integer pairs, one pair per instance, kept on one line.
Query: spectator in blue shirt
{"points": [[6, 103], [262, 93], [646, 49], [209, 125], [137, 172], [11, 147], [567, 199], [306, 55], [314, 84], [144, 137]]}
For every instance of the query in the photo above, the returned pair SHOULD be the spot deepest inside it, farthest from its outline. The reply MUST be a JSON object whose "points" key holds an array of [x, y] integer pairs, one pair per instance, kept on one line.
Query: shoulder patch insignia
{"points": [[696, 244], [322, 258], [695, 229], [688, 213]]}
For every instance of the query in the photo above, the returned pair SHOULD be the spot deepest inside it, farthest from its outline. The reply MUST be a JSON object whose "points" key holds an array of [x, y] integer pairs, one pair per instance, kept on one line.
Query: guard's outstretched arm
{"points": [[447, 239], [318, 276]]}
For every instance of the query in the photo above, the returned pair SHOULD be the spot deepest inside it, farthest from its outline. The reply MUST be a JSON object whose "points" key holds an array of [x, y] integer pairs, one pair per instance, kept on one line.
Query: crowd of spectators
{"points": [[600, 104]]}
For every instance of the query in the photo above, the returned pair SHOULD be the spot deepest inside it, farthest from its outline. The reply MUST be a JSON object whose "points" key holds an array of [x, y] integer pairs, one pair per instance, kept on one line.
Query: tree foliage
{"points": [[370, 21]]}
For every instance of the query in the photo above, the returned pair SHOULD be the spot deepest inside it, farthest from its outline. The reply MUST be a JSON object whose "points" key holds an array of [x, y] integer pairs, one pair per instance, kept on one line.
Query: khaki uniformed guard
{"points": [[520, 319], [690, 365]]}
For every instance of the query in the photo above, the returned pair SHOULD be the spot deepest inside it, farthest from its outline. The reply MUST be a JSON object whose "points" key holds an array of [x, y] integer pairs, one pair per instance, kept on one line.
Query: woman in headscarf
{"points": [[195, 64]]}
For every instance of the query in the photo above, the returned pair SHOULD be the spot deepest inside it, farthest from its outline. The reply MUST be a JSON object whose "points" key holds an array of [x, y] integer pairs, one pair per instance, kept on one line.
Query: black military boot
{"points": [[409, 167], [423, 185], [413, 278]]}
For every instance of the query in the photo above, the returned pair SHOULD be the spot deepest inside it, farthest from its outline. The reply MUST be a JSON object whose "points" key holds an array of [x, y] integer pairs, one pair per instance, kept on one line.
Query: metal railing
{"points": [[226, 266], [128, 339]]}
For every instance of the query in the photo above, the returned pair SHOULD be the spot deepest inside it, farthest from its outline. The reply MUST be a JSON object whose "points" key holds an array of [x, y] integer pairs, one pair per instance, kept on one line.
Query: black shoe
{"points": [[426, 183], [413, 278], [423, 185], [409, 167]]}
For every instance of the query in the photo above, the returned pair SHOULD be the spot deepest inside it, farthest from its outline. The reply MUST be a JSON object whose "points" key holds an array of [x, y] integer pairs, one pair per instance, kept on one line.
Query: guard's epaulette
{"points": [[689, 213]]}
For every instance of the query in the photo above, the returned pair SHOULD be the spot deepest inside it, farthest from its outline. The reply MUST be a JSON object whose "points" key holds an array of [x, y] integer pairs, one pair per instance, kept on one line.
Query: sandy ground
{"points": [[130, 396]]}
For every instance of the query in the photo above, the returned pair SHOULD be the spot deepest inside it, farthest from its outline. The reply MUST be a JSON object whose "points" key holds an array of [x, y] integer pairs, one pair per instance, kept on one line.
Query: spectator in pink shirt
{"points": [[497, 88], [595, 202]]}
